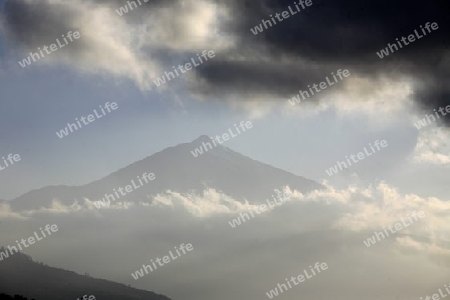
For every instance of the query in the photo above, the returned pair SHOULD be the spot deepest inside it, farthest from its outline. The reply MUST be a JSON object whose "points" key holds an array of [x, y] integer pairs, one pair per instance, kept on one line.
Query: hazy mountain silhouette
{"points": [[178, 170], [16, 297], [19, 274]]}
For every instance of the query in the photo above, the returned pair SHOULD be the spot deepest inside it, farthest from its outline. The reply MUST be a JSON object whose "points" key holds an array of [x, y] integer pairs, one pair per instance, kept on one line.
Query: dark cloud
{"points": [[347, 30], [303, 49], [34, 24], [276, 78], [38, 22], [345, 33]]}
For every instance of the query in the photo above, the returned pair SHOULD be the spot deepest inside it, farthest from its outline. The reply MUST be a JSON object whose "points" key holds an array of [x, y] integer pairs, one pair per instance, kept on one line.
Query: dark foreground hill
{"points": [[15, 297], [20, 275]]}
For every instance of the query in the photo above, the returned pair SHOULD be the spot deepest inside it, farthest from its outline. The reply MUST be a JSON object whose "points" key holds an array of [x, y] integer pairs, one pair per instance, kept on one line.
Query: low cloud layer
{"points": [[328, 225]]}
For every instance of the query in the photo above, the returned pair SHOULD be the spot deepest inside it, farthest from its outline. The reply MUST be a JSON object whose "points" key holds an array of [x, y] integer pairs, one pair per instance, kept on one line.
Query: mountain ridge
{"points": [[21, 275], [176, 169]]}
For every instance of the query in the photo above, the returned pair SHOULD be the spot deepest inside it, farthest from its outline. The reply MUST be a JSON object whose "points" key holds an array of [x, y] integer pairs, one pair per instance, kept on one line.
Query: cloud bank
{"points": [[328, 225]]}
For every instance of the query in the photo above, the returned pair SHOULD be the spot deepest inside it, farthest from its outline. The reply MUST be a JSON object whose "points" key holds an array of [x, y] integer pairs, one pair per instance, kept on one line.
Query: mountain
{"points": [[16, 297], [21, 275], [176, 169]]}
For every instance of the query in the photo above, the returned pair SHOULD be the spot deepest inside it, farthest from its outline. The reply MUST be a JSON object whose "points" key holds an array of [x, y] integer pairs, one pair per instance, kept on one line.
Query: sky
{"points": [[250, 78]]}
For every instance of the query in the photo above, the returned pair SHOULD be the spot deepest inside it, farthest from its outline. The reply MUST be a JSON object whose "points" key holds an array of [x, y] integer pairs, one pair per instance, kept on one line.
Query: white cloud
{"points": [[366, 208], [383, 100], [328, 225], [432, 147], [111, 45], [188, 26]]}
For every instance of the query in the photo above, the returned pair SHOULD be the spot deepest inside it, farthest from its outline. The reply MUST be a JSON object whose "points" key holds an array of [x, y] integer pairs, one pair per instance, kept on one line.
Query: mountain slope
{"points": [[19, 274], [178, 170]]}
